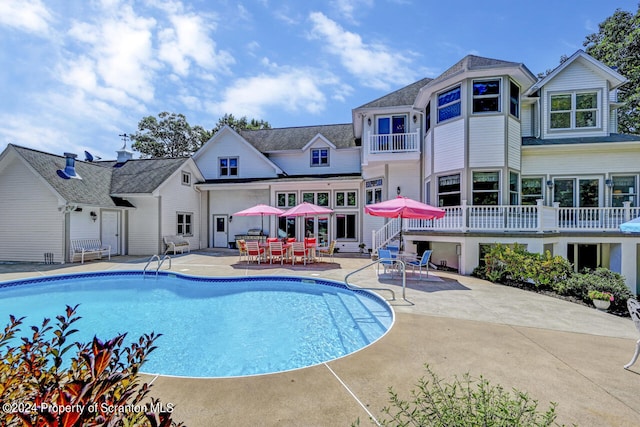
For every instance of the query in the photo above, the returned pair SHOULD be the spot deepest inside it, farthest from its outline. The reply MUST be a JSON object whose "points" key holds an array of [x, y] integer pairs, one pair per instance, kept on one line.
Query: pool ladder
{"points": [[160, 262], [378, 261]]}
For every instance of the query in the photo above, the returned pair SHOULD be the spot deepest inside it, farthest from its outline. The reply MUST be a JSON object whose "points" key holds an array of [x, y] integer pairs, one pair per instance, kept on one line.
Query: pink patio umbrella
{"points": [[306, 209], [261, 210], [404, 207]]}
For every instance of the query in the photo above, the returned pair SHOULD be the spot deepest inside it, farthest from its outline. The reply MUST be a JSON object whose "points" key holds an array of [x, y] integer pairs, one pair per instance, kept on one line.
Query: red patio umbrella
{"points": [[261, 210], [404, 207]]}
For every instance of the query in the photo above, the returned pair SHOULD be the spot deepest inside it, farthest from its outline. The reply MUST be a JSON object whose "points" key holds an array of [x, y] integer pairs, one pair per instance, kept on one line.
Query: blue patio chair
{"points": [[393, 249], [386, 260], [422, 263]]}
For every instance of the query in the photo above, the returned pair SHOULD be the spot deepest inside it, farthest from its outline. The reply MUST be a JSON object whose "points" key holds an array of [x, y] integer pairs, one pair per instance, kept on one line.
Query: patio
{"points": [[554, 350]]}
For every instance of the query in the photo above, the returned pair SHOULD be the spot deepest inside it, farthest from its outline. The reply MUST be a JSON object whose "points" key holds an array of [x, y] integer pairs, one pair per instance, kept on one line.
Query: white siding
{"points": [[428, 154], [526, 119], [251, 163], [81, 226], [227, 202], [143, 237], [449, 146], [299, 162], [30, 223], [577, 77], [555, 161], [486, 141], [515, 142], [176, 197]]}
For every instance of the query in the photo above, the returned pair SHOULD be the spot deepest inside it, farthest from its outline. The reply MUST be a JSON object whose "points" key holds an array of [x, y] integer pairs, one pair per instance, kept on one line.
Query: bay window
{"points": [[486, 188]]}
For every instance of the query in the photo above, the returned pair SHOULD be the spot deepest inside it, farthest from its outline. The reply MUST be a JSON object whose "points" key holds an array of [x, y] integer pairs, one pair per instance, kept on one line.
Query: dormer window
{"points": [[228, 166], [486, 96], [574, 110], [320, 157], [186, 178]]}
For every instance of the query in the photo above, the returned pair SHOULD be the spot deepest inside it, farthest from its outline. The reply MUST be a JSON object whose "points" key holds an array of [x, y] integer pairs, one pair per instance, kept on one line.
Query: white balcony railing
{"points": [[394, 143], [537, 219]]}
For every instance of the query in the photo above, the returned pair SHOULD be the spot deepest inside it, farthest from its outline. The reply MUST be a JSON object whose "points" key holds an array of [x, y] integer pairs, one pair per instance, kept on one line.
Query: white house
{"points": [[510, 157]]}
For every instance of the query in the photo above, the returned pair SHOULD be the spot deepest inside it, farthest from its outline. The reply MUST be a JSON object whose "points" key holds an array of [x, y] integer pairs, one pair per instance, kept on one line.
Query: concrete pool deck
{"points": [[554, 350]]}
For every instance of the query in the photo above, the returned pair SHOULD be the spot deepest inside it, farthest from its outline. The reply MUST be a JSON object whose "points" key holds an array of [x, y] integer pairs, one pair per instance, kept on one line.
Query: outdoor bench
{"points": [[176, 243], [88, 248]]}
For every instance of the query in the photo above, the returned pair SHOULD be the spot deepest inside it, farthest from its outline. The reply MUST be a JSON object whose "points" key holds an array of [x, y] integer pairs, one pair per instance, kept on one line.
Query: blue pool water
{"points": [[212, 327]]}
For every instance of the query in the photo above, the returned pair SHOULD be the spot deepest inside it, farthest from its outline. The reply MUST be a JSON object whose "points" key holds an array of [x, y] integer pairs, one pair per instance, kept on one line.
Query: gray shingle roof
{"points": [[612, 138], [295, 138], [403, 96], [100, 179], [143, 175], [472, 62]]}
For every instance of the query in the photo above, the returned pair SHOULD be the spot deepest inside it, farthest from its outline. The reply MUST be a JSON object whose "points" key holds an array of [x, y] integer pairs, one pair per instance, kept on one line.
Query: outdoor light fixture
{"points": [[398, 190], [550, 184], [230, 218], [415, 118], [609, 183], [369, 121], [93, 216]]}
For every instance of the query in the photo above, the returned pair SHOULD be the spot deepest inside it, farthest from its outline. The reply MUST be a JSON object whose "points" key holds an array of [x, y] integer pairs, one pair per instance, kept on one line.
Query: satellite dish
{"points": [[88, 157]]}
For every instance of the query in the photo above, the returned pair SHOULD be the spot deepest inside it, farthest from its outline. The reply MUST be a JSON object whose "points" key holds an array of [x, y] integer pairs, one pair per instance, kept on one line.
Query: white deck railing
{"points": [[394, 143], [538, 218]]}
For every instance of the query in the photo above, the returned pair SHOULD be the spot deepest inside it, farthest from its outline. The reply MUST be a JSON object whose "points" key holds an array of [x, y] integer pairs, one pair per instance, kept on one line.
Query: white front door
{"points": [[220, 231], [110, 234]]}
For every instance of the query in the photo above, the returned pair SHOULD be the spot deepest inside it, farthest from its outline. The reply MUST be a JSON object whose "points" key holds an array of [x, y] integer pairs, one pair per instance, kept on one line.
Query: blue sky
{"points": [[75, 74]]}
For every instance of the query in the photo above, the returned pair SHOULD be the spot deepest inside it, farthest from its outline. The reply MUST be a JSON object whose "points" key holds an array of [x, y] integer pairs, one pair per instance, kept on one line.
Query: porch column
{"points": [[628, 264]]}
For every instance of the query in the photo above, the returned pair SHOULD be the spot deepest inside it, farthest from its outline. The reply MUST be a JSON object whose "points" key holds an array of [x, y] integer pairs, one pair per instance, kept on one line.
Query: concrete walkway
{"points": [[555, 350]]}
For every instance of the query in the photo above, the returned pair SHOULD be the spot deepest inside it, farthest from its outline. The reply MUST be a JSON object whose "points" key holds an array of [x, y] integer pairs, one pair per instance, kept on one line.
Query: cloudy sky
{"points": [[75, 74]]}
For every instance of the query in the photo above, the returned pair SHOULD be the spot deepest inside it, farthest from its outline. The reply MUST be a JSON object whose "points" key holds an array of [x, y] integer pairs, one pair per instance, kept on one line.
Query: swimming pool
{"points": [[212, 327]]}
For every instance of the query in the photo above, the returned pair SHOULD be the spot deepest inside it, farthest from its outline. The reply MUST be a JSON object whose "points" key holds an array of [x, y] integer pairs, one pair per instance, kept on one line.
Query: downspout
{"points": [[200, 215], [160, 242]]}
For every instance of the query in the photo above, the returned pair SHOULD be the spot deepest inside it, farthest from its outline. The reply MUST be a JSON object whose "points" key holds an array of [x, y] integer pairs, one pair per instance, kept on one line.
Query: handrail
{"points": [[160, 262], [393, 294]]}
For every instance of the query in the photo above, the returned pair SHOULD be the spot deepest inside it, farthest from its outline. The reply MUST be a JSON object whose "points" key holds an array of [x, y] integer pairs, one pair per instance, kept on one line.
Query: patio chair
{"points": [[634, 310], [311, 243], [394, 250], [422, 263], [299, 251], [327, 250], [276, 251], [254, 251], [242, 248], [386, 260]]}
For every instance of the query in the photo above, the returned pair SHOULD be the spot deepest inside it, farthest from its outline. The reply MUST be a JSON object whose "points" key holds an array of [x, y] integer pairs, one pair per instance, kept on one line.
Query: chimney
{"points": [[69, 168]]}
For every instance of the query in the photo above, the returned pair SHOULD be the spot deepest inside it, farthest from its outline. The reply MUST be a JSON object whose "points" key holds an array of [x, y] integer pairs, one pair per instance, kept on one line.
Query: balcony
{"points": [[394, 143], [532, 219]]}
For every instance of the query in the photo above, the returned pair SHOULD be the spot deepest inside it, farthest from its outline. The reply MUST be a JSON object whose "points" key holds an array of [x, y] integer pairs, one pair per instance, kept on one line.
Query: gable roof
{"points": [[296, 138], [99, 179], [614, 78], [143, 175], [402, 96]]}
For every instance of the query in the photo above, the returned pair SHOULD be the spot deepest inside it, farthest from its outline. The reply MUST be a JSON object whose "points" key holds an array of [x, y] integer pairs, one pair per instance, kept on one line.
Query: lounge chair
{"points": [[327, 250], [634, 310], [386, 260], [254, 251], [299, 251], [422, 263], [276, 251]]}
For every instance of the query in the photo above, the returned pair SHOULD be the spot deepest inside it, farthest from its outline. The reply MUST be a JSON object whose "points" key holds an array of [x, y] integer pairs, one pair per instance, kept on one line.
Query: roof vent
{"points": [[123, 154], [69, 171]]}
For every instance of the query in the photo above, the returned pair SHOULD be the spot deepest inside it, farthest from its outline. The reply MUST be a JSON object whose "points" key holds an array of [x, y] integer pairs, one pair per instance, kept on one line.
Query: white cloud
{"points": [[293, 90], [187, 41], [376, 65], [346, 8], [31, 16]]}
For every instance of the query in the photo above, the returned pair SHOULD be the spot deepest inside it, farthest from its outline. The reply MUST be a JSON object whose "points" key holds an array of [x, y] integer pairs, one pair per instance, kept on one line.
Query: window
{"points": [[486, 96], [345, 198], [486, 188], [531, 190], [229, 166], [186, 178], [574, 110], [286, 200], [346, 226], [449, 190], [513, 188], [184, 224], [320, 199], [623, 190], [320, 157], [427, 118], [514, 99], [449, 105], [373, 191]]}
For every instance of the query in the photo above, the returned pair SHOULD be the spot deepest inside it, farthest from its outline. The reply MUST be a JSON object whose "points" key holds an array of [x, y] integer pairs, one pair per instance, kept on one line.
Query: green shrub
{"points": [[99, 385], [464, 403], [601, 279]]}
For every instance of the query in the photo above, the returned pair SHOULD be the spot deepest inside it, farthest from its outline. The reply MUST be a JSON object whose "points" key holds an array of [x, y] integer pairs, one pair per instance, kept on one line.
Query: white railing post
{"points": [[627, 211], [464, 212], [540, 215]]}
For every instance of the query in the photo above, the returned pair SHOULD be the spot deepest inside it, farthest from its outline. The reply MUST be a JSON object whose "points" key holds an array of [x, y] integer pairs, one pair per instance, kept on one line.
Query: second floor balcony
{"points": [[394, 143]]}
